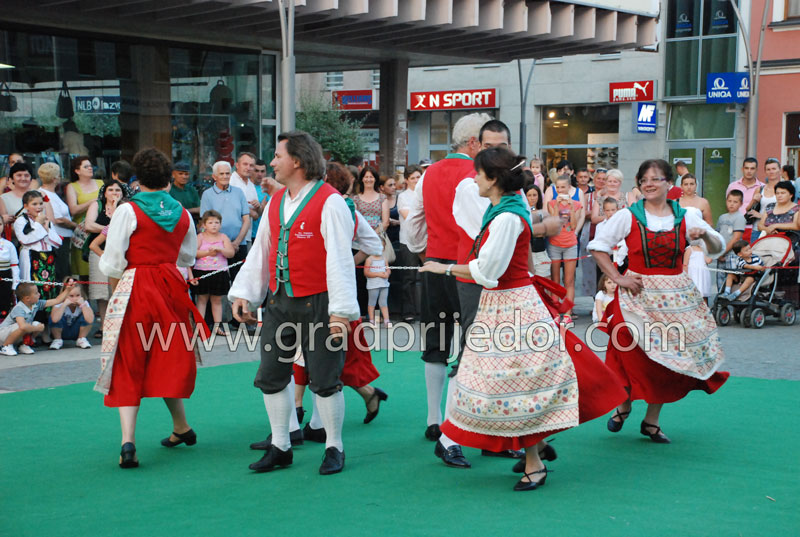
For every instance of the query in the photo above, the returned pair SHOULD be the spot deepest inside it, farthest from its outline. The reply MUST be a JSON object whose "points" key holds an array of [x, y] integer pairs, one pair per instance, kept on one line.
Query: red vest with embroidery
{"points": [[306, 254], [516, 275], [438, 192], [656, 252]]}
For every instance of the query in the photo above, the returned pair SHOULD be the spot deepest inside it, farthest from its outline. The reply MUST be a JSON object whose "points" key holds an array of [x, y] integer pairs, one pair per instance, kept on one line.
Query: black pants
{"points": [[288, 321], [439, 310], [408, 281], [469, 296], [63, 260], [239, 255]]}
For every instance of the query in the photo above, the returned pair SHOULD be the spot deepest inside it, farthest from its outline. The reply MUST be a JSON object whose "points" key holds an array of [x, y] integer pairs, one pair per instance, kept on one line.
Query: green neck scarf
{"points": [[638, 211], [162, 208], [509, 203]]}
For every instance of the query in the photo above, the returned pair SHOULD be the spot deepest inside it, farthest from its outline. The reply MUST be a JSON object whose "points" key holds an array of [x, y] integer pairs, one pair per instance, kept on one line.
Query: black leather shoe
{"points": [[127, 456], [301, 413], [314, 435], [616, 426], [189, 438], [506, 454], [451, 456], [433, 432], [333, 462], [272, 459], [381, 396], [295, 437], [658, 437], [531, 484]]}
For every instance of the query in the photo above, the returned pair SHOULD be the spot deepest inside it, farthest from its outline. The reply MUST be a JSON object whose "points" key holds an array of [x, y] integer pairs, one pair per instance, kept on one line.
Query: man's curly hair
{"points": [[152, 168]]}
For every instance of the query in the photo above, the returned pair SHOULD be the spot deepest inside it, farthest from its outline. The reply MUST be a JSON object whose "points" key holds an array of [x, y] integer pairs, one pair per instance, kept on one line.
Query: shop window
{"points": [[376, 78], [587, 136], [334, 80], [683, 18], [681, 67], [441, 130], [791, 9], [719, 56], [700, 122]]}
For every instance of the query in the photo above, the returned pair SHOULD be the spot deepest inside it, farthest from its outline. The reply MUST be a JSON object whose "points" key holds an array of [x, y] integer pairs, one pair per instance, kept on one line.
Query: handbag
{"points": [[8, 103], [388, 249], [64, 107], [79, 237]]}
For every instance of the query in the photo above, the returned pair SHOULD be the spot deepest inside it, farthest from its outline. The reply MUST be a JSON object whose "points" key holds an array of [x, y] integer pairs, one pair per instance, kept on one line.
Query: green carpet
{"points": [[731, 470]]}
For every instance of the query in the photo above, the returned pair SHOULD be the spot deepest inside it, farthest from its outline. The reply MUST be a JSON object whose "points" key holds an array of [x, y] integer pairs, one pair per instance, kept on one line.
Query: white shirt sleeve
{"points": [[366, 239], [715, 244], [252, 281], [613, 230], [188, 251], [36, 234], [14, 260], [469, 207], [337, 231], [415, 223], [496, 253], [113, 262]]}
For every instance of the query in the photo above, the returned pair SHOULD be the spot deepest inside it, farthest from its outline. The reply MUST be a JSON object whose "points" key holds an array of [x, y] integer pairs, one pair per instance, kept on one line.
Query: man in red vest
{"points": [[302, 264], [433, 230]]}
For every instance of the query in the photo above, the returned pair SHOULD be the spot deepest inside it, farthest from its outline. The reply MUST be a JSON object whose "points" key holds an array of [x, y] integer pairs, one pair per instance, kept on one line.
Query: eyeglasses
{"points": [[654, 180]]}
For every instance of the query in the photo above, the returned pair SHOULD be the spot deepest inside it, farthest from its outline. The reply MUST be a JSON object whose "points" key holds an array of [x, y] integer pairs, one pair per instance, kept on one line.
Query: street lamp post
{"points": [[286, 9]]}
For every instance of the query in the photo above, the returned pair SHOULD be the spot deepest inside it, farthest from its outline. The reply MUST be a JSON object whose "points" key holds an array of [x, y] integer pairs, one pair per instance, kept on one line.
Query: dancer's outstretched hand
{"points": [[631, 282], [241, 311]]}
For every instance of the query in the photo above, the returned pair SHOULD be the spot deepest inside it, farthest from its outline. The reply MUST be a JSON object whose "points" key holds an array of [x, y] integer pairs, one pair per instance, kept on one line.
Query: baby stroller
{"points": [[774, 292]]}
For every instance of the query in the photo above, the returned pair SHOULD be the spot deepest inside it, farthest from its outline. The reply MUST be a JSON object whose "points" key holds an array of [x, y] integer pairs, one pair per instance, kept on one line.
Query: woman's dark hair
{"points": [[152, 168], [532, 186], [338, 177], [661, 164], [74, 164], [358, 187], [101, 194], [123, 170], [29, 195], [688, 176], [411, 169], [503, 166], [786, 185], [789, 169]]}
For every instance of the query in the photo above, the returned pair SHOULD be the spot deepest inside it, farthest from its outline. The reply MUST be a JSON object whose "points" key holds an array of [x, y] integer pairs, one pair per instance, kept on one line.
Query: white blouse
{"points": [[618, 227], [496, 253], [60, 210], [113, 261], [252, 281], [9, 257], [469, 207], [38, 237]]}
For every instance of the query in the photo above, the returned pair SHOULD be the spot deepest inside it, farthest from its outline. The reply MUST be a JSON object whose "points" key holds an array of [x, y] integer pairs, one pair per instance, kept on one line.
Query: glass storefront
{"points": [[587, 136], [108, 99]]}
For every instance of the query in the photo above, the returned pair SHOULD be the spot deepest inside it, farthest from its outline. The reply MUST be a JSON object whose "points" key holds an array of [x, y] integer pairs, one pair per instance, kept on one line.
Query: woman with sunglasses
{"points": [[664, 341]]}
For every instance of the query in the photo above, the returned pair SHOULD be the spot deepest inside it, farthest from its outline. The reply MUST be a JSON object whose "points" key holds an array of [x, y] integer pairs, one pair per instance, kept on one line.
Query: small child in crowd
{"points": [[605, 294], [72, 320], [731, 226], [536, 170], [747, 261], [37, 239], [620, 253], [695, 264], [20, 323], [213, 251], [377, 273]]}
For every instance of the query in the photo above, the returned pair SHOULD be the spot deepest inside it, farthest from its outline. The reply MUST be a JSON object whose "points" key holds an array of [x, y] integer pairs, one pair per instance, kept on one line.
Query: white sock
{"points": [[315, 422], [294, 425], [280, 406], [447, 442], [435, 375], [331, 412]]}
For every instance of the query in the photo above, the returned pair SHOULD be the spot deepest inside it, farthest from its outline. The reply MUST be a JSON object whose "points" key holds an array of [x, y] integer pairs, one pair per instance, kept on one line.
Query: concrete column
{"points": [[144, 117], [393, 115]]}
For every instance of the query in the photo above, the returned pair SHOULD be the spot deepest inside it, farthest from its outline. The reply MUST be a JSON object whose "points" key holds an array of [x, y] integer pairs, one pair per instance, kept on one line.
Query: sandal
{"points": [[531, 484], [616, 426], [658, 437]]}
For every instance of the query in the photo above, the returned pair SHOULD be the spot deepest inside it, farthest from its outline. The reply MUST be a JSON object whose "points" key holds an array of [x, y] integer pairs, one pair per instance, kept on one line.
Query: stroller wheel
{"points": [[788, 314], [723, 316], [757, 318], [744, 318]]}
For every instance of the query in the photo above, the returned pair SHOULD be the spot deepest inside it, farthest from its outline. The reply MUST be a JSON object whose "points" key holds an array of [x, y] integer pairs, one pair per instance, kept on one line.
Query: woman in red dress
{"points": [[664, 341], [149, 326], [515, 385]]}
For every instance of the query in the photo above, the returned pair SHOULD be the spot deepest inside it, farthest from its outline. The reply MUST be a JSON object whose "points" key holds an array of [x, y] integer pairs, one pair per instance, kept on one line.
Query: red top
{"points": [[306, 247], [516, 275], [151, 245], [675, 193], [656, 252], [438, 192]]}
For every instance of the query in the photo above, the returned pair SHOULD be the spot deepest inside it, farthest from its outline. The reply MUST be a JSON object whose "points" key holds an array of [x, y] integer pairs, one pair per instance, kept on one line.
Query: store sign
{"points": [[646, 117], [628, 92], [453, 100], [793, 130], [97, 104], [353, 99], [727, 88]]}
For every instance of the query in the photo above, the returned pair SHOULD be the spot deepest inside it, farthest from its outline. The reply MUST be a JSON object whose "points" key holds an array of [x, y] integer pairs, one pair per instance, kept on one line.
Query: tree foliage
{"points": [[335, 132]]}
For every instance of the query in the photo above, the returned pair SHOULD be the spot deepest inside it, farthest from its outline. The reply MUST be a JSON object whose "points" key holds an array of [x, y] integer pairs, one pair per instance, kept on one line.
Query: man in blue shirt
{"points": [[259, 177], [230, 202]]}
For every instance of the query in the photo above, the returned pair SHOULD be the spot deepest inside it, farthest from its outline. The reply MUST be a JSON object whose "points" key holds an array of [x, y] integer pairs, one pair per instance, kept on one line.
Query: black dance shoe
{"points": [[433, 432], [189, 438], [658, 437], [381, 396], [531, 485], [616, 426], [333, 462], [506, 454], [295, 437], [314, 435], [452, 456], [127, 456], [301, 413], [546, 454], [272, 459]]}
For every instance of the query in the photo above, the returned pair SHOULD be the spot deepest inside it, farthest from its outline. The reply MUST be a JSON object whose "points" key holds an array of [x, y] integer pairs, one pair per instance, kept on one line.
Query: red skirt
{"points": [[599, 392], [358, 370], [146, 365]]}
